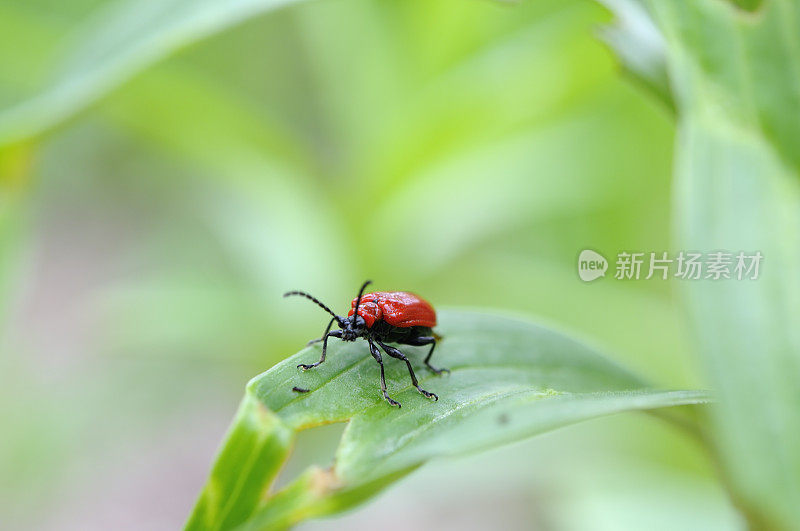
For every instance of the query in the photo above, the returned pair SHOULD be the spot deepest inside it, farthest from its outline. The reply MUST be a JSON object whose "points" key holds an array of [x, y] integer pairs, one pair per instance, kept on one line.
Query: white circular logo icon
{"points": [[591, 265]]}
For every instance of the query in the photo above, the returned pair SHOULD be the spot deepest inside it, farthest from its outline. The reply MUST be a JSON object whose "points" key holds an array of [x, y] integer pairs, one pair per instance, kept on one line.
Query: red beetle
{"points": [[383, 317]]}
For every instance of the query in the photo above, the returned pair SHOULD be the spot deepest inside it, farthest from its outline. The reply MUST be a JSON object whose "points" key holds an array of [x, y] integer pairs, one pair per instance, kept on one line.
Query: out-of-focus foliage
{"points": [[462, 149], [639, 45], [735, 77], [116, 43]]}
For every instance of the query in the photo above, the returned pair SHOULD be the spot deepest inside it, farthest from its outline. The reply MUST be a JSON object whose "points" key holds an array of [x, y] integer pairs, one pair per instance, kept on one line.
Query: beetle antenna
{"points": [[360, 293], [315, 300]]}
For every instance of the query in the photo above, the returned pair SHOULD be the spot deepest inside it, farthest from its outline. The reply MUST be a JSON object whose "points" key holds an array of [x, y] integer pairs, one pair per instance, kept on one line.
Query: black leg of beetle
{"points": [[427, 340], [335, 333], [377, 355], [324, 334], [393, 352]]}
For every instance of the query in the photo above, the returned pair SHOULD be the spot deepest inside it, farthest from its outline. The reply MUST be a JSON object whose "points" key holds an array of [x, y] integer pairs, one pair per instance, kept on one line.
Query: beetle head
{"points": [[354, 327]]}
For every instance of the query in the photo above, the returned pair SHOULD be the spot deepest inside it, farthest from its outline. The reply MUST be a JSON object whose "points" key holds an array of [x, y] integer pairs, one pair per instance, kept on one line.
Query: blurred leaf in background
{"points": [[735, 75], [465, 150]]}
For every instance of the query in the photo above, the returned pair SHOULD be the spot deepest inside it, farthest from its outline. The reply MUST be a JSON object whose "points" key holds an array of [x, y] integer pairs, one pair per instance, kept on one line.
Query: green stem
{"points": [[316, 492], [254, 450]]}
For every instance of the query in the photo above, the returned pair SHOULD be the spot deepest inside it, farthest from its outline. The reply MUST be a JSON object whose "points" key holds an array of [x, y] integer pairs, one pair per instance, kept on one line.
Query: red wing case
{"points": [[398, 308]]}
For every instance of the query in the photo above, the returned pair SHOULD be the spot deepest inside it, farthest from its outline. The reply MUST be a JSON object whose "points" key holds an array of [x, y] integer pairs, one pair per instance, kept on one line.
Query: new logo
{"points": [[591, 265]]}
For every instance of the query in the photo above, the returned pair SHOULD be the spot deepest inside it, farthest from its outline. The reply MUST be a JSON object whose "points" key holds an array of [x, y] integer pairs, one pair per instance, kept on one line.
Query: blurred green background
{"points": [[462, 149]]}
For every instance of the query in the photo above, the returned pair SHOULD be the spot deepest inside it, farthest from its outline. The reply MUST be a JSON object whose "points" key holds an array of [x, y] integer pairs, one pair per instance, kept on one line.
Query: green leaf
{"points": [[116, 44], [510, 379], [738, 66], [735, 77], [638, 43]]}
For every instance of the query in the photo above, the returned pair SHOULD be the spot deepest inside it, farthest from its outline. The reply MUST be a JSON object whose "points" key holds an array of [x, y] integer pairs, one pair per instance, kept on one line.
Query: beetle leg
{"points": [[377, 355], [325, 333], [393, 352], [335, 333], [427, 340]]}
